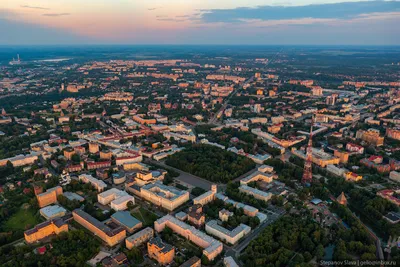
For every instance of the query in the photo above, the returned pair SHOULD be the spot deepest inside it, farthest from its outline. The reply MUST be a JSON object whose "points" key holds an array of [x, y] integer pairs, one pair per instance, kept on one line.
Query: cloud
{"points": [[36, 7], [24, 33], [171, 19], [56, 14], [343, 10]]}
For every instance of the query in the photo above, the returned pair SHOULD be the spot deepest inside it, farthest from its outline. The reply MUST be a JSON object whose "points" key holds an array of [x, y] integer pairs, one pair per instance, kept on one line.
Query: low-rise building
{"points": [[230, 262], [98, 184], [51, 212], [49, 197], [164, 196], [395, 176], [256, 193], [162, 252], [139, 238], [224, 215], [192, 262], [207, 197], [231, 237], [211, 247], [45, 229], [126, 220], [117, 199], [110, 236], [351, 176]]}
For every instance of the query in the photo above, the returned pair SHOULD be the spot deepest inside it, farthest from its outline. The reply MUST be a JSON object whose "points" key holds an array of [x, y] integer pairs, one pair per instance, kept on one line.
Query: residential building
{"points": [[351, 176], [45, 229], [49, 197], [139, 238], [192, 262], [231, 237], [256, 193], [395, 176], [162, 252], [98, 184]]}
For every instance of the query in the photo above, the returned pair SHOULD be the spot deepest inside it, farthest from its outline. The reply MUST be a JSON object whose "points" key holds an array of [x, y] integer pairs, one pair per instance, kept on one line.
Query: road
{"points": [[214, 119], [238, 248], [185, 176]]}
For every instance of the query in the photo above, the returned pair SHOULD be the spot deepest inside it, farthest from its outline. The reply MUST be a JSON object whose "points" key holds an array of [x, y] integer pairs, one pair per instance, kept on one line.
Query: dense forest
{"points": [[211, 163], [276, 246], [71, 248]]}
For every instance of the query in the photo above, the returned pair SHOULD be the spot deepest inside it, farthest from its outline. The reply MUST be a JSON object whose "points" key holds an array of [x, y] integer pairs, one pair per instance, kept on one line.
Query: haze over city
{"points": [[199, 133], [325, 22]]}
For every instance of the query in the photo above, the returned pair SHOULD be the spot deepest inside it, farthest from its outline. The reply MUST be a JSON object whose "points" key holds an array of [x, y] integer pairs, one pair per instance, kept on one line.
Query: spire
{"points": [[307, 174], [342, 199]]}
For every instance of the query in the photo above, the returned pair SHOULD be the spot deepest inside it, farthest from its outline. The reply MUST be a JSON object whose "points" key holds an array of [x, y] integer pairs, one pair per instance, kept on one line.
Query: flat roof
{"points": [[126, 219]]}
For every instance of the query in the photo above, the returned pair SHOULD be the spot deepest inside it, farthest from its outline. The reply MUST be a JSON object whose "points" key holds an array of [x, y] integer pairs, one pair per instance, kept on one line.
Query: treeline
{"points": [[72, 248], [278, 246], [232, 191], [211, 163], [370, 207], [352, 242]]}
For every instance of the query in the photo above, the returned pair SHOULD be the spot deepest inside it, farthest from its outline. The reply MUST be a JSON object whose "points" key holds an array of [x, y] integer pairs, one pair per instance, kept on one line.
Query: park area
{"points": [[211, 163]]}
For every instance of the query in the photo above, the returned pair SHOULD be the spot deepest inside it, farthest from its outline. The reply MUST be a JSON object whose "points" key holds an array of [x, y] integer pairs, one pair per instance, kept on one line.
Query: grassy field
{"points": [[145, 216], [22, 220]]}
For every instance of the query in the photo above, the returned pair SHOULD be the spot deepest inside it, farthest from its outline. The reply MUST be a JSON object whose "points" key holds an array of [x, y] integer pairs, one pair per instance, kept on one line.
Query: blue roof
{"points": [[316, 201], [125, 218]]}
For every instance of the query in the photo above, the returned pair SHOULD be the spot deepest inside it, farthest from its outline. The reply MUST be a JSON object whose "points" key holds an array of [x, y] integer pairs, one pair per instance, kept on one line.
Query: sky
{"points": [[226, 22]]}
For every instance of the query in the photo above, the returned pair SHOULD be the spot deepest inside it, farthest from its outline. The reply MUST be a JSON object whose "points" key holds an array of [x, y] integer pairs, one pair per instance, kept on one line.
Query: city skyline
{"points": [[200, 22]]}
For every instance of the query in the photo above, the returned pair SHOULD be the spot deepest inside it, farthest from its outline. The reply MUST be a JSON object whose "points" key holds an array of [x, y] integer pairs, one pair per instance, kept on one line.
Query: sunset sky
{"points": [[199, 22]]}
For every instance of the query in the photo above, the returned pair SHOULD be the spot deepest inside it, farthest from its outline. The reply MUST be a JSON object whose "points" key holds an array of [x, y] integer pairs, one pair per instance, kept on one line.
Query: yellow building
{"points": [[351, 176], [49, 197], [342, 155], [111, 236], [163, 253], [93, 148], [45, 229]]}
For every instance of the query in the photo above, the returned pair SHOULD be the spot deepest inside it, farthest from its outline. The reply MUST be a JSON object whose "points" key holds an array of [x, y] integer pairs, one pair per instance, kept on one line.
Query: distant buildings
{"points": [[391, 195], [353, 177], [393, 133], [45, 229], [395, 176], [110, 236], [162, 252], [319, 157], [355, 148], [371, 136]]}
